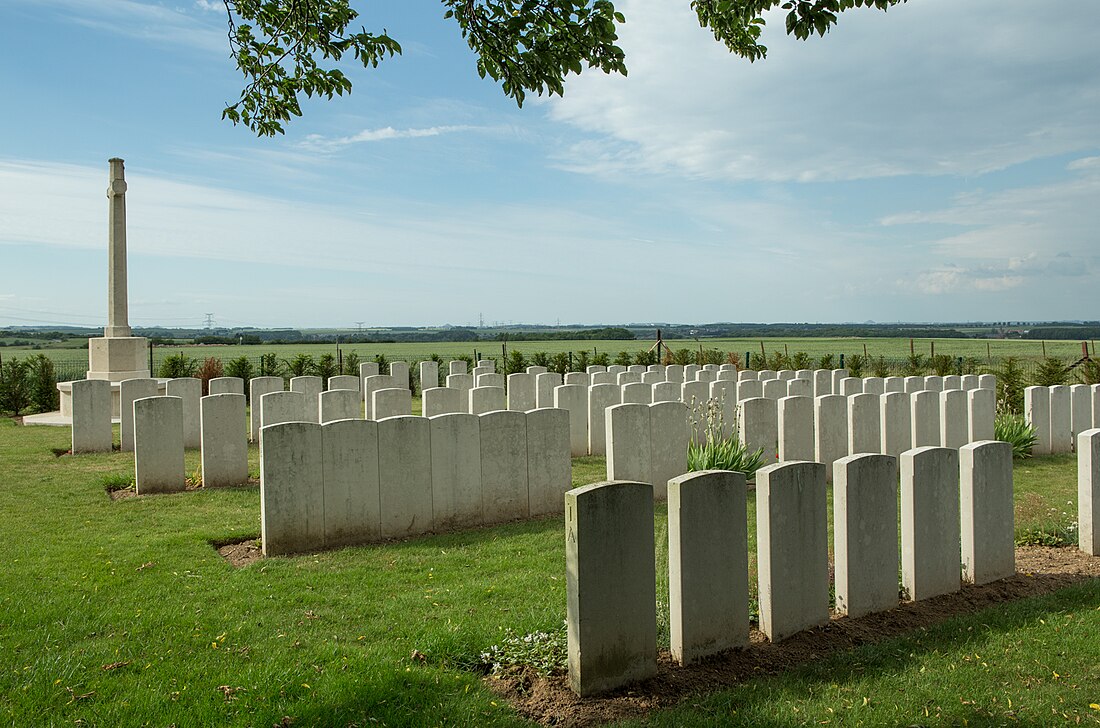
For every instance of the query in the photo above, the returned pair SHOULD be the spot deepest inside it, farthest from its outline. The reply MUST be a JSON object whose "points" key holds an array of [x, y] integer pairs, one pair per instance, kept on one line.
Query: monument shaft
{"points": [[117, 318]]}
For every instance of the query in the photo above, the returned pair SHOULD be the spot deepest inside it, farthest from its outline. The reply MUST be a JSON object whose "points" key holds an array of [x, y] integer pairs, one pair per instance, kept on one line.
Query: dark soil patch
{"points": [[240, 553], [122, 493], [59, 451], [549, 701]]}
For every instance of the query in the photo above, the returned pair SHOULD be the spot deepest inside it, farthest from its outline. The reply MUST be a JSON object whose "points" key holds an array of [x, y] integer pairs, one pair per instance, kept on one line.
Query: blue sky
{"points": [[937, 162]]}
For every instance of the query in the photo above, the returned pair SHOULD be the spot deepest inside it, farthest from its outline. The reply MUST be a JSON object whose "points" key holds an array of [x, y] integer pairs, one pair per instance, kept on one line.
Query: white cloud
{"points": [[319, 143], [932, 87]]}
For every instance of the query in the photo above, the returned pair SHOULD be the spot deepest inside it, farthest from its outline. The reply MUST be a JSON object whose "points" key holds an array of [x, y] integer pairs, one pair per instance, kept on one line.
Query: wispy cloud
{"points": [[319, 143]]}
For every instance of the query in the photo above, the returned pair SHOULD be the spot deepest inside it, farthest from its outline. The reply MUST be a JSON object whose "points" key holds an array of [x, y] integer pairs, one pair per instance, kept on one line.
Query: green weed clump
{"points": [[718, 451], [544, 652], [1015, 430]]}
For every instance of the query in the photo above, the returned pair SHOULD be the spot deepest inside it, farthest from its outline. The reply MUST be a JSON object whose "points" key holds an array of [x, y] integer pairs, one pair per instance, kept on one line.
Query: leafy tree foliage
{"points": [[286, 48]]}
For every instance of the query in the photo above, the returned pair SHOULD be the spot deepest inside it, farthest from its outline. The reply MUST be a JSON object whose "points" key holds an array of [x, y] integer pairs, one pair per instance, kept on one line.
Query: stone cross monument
{"points": [[117, 355]]}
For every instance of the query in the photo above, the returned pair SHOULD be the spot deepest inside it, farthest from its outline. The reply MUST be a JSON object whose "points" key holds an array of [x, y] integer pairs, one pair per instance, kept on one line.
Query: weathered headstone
{"points": [[893, 384], [91, 403], [667, 391], [823, 382], [392, 402], [456, 366], [573, 398], [549, 468], [600, 397], [225, 385], [850, 386], [800, 388], [924, 408], [987, 381], [775, 388], [428, 374], [707, 557], [338, 404], [345, 382], [758, 426], [521, 392], [669, 434], [224, 440], [981, 413], [628, 443], [933, 383], [792, 548], [309, 385], [865, 533], [158, 445], [952, 381], [637, 393], [544, 388], [1037, 414], [611, 581], [897, 434], [372, 384], [874, 385], [914, 385], [864, 424], [930, 546], [1061, 436], [349, 465], [1080, 397], [623, 378], [257, 388], [954, 420], [292, 488], [504, 491], [1088, 491], [985, 507], [580, 378], [405, 476], [749, 389], [796, 429], [130, 390], [456, 471], [441, 401], [487, 399], [674, 373], [399, 372], [723, 393], [490, 379], [279, 407], [189, 390], [830, 430]]}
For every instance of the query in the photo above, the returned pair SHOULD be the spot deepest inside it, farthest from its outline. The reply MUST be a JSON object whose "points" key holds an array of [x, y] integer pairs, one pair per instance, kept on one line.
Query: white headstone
{"points": [[549, 468], [91, 403], [1088, 491], [988, 532], [338, 404], [600, 397], [225, 385], [441, 401], [930, 546], [292, 496], [487, 399], [130, 390], [279, 407], [158, 445], [544, 388], [573, 398], [954, 419], [224, 440], [399, 371], [924, 409], [796, 429], [257, 388], [428, 374], [504, 491], [830, 430], [1037, 414], [865, 533], [758, 426], [897, 430], [669, 434], [349, 463], [456, 471], [405, 476], [1061, 435], [188, 389], [521, 392], [864, 424]]}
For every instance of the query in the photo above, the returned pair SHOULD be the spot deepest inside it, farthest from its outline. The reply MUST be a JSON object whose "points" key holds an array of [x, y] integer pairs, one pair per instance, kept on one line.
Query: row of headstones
{"points": [[956, 507], [159, 438], [1060, 413], [833, 426], [358, 481]]}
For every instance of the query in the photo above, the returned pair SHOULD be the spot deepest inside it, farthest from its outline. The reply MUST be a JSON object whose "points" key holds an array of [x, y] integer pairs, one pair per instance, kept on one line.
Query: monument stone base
{"points": [[118, 358]]}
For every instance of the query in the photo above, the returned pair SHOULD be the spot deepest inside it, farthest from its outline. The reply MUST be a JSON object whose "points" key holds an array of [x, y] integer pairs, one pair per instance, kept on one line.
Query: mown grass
{"points": [[122, 613]]}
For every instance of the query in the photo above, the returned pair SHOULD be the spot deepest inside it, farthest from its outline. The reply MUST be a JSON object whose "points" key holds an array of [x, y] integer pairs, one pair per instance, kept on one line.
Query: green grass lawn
{"points": [[120, 613]]}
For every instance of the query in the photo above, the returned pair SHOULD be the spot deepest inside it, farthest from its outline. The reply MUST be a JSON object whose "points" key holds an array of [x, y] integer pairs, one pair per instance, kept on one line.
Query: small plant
{"points": [[623, 359], [735, 359], [683, 357], [544, 652], [1056, 535], [241, 368], [326, 367], [718, 451], [114, 482], [211, 368], [801, 360], [777, 361], [709, 356], [1088, 372], [1010, 386], [943, 364], [269, 365], [915, 366], [855, 364], [177, 366], [539, 359], [43, 384], [645, 358], [601, 359], [581, 360], [1051, 372], [302, 365], [559, 363], [879, 367], [515, 363], [827, 361], [350, 364], [15, 394], [1016, 431]]}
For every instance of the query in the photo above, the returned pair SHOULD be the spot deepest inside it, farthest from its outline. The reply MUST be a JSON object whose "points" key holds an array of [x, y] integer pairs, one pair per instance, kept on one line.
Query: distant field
{"points": [[892, 349]]}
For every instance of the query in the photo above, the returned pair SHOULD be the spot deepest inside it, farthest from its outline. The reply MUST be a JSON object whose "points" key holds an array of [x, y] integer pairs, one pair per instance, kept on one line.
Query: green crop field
{"points": [[984, 350], [122, 613]]}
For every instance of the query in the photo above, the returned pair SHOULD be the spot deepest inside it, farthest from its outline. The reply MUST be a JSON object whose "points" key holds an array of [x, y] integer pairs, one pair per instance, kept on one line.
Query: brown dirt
{"points": [[241, 553], [549, 701], [122, 493]]}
